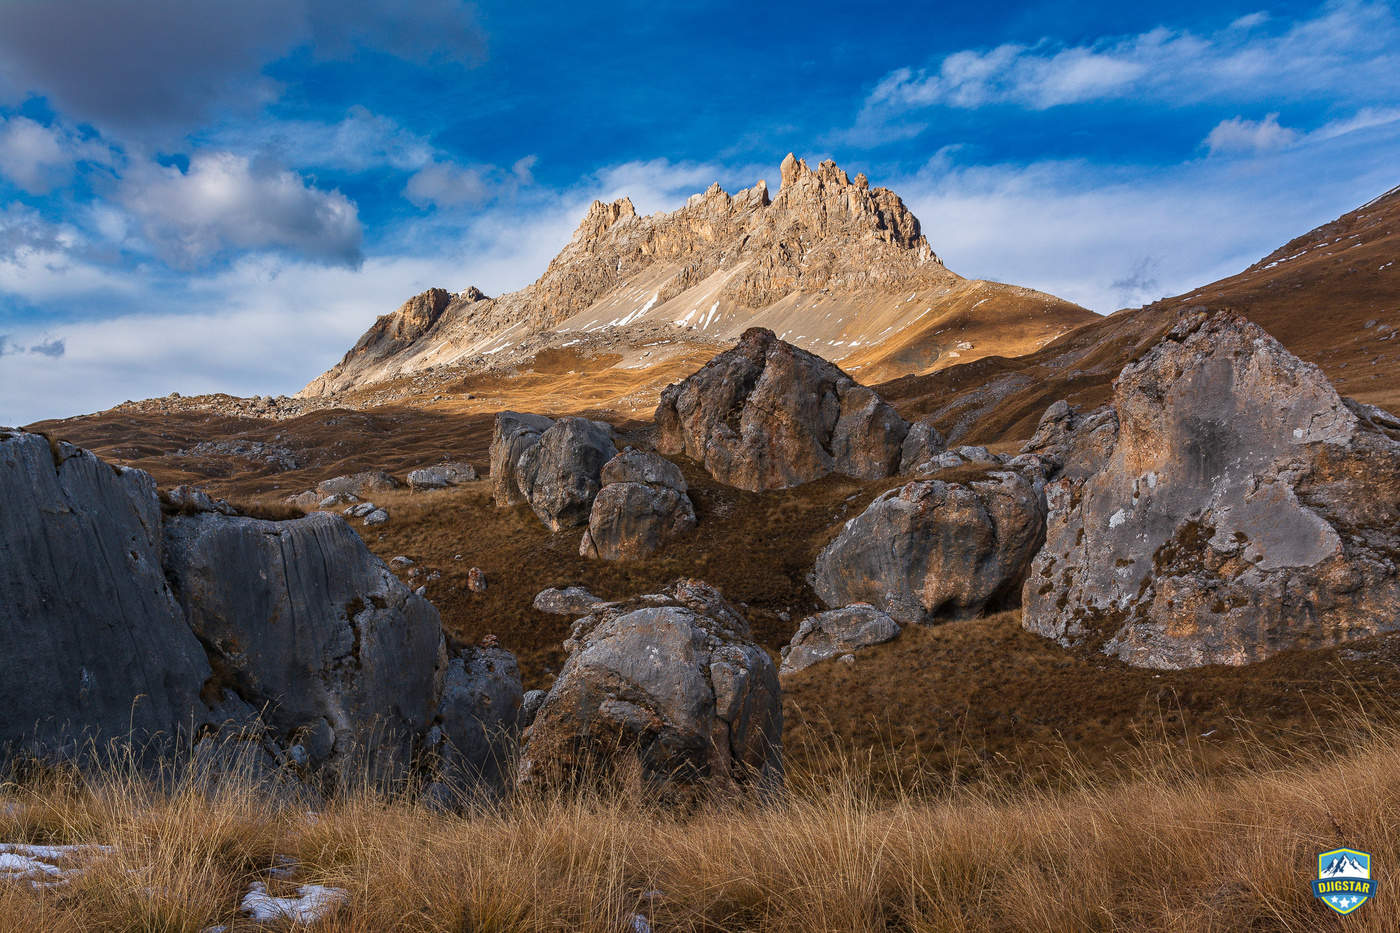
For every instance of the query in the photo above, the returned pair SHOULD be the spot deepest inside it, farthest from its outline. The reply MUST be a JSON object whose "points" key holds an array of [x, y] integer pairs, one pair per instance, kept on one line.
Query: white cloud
{"points": [[362, 140], [225, 201], [446, 184], [40, 158], [1241, 135], [1346, 50], [1103, 236]]}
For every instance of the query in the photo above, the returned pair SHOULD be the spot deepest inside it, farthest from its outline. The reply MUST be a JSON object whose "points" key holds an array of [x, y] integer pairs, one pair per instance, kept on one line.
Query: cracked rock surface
{"points": [[1243, 508]]}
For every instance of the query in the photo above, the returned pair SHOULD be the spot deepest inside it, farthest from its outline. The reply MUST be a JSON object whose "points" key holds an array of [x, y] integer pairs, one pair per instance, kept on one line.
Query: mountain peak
{"points": [[692, 275]]}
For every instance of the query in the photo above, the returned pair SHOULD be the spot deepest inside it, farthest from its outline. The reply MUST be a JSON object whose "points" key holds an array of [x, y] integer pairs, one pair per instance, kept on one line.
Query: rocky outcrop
{"points": [[835, 633], [1073, 443], [346, 654], [441, 476], [766, 415], [395, 332], [921, 445], [121, 620], [513, 434], [478, 717], [643, 504], [561, 474], [92, 643], [1244, 508], [672, 684], [934, 549]]}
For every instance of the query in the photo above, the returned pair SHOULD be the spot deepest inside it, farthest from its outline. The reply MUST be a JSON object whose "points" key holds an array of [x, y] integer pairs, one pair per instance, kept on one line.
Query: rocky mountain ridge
{"points": [[830, 262]]}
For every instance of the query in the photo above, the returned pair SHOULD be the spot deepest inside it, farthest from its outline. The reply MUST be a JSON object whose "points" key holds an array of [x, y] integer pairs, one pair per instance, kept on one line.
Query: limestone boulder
{"points": [[329, 639], [171, 623], [478, 716], [921, 445], [642, 506], [566, 601], [513, 434], [441, 476], [767, 415], [1073, 443], [835, 633], [561, 474], [366, 483], [934, 550], [1244, 508], [92, 643], [672, 684]]}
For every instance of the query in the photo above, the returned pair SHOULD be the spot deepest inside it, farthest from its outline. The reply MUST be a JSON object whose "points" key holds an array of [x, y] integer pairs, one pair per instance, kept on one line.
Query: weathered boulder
{"points": [[834, 633], [921, 444], [566, 601], [513, 434], [767, 415], [1244, 508], [479, 716], [672, 682], [92, 644], [1075, 443], [935, 550], [120, 620], [642, 505], [357, 484], [561, 474], [329, 637], [441, 475]]}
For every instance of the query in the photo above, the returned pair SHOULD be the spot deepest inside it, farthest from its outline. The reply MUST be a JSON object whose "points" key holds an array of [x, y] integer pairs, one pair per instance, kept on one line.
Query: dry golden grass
{"points": [[1160, 845]]}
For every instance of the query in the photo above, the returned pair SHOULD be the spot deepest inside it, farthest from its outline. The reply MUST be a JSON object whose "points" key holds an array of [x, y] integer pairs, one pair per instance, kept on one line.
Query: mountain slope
{"points": [[1332, 296], [830, 264]]}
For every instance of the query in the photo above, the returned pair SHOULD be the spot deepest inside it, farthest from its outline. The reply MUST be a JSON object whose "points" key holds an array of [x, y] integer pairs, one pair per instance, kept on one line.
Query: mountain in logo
{"points": [[1344, 866]]}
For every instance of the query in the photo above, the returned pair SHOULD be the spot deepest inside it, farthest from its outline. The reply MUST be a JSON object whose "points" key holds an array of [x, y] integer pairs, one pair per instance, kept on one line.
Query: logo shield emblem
{"points": [[1344, 879]]}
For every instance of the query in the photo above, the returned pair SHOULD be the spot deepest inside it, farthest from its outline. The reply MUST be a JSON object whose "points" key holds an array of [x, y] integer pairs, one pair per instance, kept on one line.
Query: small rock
{"points": [[377, 517], [476, 580], [566, 601], [400, 562]]}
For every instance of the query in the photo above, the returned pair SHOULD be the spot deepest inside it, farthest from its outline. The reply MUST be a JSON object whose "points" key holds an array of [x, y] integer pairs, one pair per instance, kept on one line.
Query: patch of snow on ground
{"points": [[36, 864], [314, 903]]}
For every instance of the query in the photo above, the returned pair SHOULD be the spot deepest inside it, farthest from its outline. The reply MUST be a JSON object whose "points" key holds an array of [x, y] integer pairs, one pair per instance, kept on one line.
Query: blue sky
{"points": [[204, 196]]}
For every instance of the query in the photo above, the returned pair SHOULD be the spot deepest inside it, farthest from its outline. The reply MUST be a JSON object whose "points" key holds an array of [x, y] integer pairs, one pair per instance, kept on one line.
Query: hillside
{"points": [[1331, 295]]}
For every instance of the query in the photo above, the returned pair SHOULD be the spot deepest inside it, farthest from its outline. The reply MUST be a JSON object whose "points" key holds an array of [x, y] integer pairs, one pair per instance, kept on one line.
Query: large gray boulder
{"points": [[561, 474], [479, 716], [670, 683], [92, 643], [835, 633], [1071, 442], [643, 505], [768, 415], [441, 476], [1244, 508], [122, 621], [934, 550], [365, 483], [513, 434], [329, 637], [566, 601]]}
